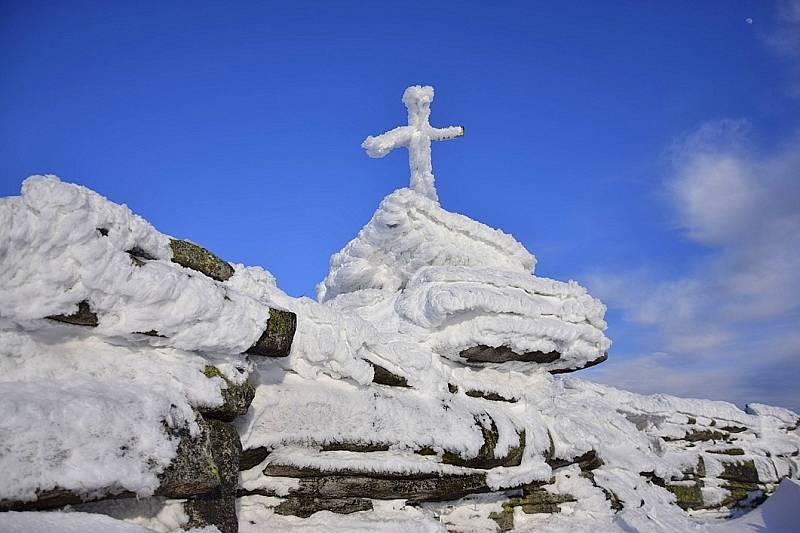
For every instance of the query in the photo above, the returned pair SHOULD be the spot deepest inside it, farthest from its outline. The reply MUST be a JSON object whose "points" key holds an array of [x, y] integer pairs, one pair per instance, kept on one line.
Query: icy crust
{"points": [[452, 283], [410, 231]]}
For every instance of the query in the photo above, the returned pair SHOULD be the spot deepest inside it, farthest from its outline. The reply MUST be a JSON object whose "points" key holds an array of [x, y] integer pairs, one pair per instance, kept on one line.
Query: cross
{"points": [[417, 137]]}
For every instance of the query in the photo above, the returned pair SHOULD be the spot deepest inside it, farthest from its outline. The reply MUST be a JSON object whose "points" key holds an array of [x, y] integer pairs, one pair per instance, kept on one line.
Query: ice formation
{"points": [[421, 392], [417, 137]]}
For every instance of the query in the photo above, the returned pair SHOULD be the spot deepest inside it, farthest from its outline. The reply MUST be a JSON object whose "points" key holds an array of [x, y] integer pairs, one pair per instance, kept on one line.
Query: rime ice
{"points": [[417, 137], [417, 289]]}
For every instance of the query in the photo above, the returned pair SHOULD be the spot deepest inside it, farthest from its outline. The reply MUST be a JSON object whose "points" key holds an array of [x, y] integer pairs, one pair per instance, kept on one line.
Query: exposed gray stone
{"points": [[190, 255], [354, 447], [306, 506], [380, 486], [590, 364], [741, 471], [218, 508], [384, 377], [252, 457], [688, 495], [503, 354], [493, 396], [276, 341], [486, 455], [84, 316], [193, 471], [237, 398]]}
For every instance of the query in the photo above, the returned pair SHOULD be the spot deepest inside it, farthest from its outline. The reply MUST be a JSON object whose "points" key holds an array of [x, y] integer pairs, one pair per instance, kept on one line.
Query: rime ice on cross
{"points": [[417, 137]]}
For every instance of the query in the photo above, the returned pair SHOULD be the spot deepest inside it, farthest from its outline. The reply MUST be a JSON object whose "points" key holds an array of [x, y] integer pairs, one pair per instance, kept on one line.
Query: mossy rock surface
{"points": [[738, 493], [84, 316], [305, 506], [354, 447], [276, 341], [193, 471], [688, 496], [536, 499], [197, 258], [218, 508], [504, 520], [742, 471], [728, 451], [415, 487], [703, 435], [236, 398]]}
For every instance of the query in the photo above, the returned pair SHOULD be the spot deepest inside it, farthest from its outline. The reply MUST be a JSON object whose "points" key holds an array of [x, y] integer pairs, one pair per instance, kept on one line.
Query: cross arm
{"points": [[380, 145], [450, 132]]}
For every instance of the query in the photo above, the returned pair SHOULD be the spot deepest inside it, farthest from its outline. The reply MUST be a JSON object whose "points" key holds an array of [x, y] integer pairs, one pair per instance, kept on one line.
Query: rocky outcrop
{"points": [[344, 483], [218, 507], [306, 506], [503, 354], [84, 316], [276, 341], [192, 472], [486, 458], [236, 398], [190, 255], [384, 377]]}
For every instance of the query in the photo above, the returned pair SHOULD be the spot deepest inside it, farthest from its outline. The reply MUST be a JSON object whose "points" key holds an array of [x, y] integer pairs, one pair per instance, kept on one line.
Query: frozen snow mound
{"points": [[116, 341], [462, 289]]}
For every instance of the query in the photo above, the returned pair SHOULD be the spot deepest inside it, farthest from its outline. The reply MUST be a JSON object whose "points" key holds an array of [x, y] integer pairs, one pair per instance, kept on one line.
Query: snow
{"points": [[777, 515], [76, 522], [58, 522], [417, 137], [256, 516], [452, 283], [85, 408]]}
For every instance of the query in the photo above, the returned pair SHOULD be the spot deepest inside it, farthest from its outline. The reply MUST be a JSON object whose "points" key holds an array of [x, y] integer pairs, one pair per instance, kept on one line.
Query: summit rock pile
{"points": [[430, 387]]}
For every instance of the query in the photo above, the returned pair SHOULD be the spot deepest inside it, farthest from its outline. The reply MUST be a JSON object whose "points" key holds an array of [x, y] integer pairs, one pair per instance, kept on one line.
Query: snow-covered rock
{"points": [[463, 290], [160, 385]]}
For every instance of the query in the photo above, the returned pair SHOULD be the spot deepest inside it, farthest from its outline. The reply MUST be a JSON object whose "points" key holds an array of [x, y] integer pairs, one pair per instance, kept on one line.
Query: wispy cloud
{"points": [[735, 315], [783, 37]]}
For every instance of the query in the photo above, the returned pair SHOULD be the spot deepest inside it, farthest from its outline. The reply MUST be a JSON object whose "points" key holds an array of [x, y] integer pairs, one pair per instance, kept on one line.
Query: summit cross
{"points": [[417, 137]]}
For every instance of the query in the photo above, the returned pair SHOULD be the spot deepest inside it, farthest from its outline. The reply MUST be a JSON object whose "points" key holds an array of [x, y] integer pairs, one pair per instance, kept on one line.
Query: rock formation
{"points": [[429, 388]]}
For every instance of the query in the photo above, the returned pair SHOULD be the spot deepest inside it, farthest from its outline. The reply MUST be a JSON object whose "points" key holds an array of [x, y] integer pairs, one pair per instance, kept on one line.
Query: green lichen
{"points": [[236, 397], [742, 471], [689, 496], [705, 435], [504, 520], [276, 341], [728, 451], [197, 258], [537, 500]]}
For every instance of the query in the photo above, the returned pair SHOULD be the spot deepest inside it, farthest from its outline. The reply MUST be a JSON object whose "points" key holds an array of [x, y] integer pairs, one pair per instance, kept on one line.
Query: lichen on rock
{"points": [[190, 255]]}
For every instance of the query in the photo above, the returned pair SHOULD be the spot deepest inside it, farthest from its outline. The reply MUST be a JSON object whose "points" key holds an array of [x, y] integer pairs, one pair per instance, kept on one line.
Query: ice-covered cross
{"points": [[417, 137]]}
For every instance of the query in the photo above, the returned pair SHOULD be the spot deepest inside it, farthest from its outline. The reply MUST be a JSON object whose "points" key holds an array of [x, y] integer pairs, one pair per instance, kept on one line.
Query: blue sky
{"points": [[643, 149]]}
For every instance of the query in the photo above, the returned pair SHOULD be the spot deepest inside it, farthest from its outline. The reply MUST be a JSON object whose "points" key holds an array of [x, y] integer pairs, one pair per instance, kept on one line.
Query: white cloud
{"points": [[744, 207]]}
